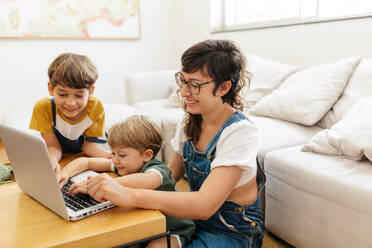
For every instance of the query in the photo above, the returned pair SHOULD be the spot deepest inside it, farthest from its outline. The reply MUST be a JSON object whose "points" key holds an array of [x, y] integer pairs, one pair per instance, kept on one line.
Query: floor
{"points": [[270, 240]]}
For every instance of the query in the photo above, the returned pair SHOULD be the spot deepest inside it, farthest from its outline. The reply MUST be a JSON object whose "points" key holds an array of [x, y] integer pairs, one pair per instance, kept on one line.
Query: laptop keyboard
{"points": [[78, 201]]}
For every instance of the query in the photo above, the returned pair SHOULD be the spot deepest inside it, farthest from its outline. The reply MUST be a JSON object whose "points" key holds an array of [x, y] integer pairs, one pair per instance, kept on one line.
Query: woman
{"points": [[216, 147]]}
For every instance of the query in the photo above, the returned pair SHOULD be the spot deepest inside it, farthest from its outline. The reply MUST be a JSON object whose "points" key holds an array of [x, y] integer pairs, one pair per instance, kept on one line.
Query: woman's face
{"points": [[203, 102]]}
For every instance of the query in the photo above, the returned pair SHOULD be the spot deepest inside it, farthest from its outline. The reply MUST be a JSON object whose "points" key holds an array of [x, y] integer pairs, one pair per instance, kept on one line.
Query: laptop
{"points": [[33, 171]]}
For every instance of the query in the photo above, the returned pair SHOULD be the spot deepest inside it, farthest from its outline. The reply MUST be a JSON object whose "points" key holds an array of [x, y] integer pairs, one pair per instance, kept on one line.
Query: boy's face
{"points": [[71, 102], [129, 160]]}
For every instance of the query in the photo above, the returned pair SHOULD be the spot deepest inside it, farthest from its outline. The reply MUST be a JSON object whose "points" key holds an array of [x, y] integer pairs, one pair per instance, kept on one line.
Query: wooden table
{"points": [[26, 223]]}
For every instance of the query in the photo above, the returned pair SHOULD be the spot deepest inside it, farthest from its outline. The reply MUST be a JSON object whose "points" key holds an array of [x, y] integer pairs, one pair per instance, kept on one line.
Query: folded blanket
{"points": [[5, 174]]}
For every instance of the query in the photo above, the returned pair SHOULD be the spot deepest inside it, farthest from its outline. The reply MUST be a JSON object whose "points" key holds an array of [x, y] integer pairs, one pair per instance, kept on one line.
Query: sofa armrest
{"points": [[145, 86]]}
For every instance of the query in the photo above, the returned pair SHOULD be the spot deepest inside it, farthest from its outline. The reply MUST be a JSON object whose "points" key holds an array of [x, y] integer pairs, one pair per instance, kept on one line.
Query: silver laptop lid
{"points": [[32, 168]]}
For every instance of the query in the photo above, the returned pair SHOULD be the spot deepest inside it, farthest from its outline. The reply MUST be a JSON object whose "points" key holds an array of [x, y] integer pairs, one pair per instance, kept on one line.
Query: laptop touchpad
{"points": [[83, 176]]}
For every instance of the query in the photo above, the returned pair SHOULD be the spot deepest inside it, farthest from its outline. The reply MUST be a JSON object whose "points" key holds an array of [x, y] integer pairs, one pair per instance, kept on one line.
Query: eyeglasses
{"points": [[194, 87]]}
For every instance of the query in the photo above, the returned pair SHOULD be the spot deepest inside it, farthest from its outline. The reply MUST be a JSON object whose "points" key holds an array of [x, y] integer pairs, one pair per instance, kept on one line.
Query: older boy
{"points": [[72, 120]]}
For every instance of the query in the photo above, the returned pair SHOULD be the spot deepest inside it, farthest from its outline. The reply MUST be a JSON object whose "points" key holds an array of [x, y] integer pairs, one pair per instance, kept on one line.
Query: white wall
{"points": [[302, 45], [169, 27], [311, 44], [24, 63]]}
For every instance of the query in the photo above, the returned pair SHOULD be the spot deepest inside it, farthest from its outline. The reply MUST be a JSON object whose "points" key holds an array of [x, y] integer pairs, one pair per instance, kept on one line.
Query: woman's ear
{"points": [[224, 88], [147, 155]]}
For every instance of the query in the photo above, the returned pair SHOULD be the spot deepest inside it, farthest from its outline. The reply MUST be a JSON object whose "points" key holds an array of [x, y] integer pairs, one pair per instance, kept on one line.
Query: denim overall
{"points": [[233, 225], [67, 145]]}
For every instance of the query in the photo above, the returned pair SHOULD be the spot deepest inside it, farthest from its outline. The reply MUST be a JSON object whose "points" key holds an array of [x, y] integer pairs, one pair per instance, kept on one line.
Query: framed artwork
{"points": [[70, 19]]}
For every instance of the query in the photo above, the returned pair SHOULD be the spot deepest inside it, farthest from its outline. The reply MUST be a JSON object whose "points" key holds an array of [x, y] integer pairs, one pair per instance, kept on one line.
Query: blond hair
{"points": [[137, 132], [72, 70]]}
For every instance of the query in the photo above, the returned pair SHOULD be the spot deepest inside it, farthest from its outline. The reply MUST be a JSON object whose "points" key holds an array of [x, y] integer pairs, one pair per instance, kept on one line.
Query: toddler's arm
{"points": [[148, 180], [93, 149], [82, 164]]}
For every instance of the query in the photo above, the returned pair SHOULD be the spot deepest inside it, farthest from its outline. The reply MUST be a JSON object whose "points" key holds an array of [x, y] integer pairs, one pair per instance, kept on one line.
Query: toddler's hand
{"points": [[80, 187], [62, 178]]}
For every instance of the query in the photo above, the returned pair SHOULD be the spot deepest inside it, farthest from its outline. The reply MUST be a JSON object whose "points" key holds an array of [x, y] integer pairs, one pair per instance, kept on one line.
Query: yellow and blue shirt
{"points": [[46, 118]]}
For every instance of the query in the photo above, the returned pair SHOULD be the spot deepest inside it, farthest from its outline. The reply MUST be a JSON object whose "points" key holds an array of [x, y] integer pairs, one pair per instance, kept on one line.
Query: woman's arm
{"points": [[93, 149], [148, 180], [176, 166], [200, 204]]}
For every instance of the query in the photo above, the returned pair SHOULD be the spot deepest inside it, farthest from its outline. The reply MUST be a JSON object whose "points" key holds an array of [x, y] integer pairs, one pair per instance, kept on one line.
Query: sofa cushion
{"points": [[351, 137], [145, 86], [267, 75], [275, 134], [169, 118], [333, 178], [115, 112], [307, 95], [359, 86], [315, 200]]}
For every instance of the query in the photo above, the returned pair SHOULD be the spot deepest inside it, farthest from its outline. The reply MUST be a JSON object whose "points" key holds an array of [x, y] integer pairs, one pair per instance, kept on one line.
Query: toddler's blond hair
{"points": [[137, 132]]}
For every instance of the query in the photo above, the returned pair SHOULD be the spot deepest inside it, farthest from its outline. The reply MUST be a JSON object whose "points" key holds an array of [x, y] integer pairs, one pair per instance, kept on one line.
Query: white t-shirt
{"points": [[237, 146]]}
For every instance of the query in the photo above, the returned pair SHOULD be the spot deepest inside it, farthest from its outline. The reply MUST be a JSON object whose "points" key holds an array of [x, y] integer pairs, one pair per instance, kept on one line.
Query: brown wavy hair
{"points": [[223, 61], [72, 70]]}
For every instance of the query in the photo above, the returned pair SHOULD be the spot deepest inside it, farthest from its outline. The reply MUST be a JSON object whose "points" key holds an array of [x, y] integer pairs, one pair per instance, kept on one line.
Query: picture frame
{"points": [[70, 19]]}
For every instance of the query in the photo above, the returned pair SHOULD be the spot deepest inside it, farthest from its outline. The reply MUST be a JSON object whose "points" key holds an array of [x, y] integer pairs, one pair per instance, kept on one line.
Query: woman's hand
{"points": [[103, 187], [79, 187]]}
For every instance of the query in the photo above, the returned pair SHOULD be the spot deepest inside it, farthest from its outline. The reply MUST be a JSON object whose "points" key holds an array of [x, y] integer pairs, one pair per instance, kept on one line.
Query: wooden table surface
{"points": [[26, 223]]}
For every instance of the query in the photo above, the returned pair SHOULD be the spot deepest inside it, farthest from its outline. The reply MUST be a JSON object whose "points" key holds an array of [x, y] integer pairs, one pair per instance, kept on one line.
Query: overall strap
{"points": [[53, 111]]}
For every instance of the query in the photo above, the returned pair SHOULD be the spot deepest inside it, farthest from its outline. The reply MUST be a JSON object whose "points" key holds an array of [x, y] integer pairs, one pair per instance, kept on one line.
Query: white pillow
{"points": [[351, 137], [307, 95], [359, 86], [267, 75], [115, 112]]}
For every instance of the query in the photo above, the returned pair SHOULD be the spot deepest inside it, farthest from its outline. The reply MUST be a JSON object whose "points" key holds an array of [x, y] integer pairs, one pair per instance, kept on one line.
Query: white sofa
{"points": [[312, 199]]}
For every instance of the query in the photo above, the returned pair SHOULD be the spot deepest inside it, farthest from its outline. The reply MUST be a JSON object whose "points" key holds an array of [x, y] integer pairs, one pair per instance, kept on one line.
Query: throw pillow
{"points": [[359, 86], [306, 96], [351, 137], [267, 75]]}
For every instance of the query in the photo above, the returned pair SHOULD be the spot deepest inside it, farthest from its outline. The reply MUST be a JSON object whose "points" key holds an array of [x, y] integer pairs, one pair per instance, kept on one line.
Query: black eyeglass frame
{"points": [[178, 76]]}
